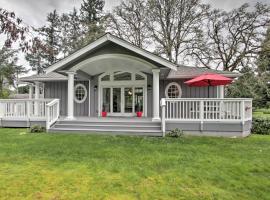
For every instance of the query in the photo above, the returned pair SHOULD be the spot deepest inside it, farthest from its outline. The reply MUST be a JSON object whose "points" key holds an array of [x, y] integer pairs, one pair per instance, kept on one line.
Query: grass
{"points": [[66, 166]]}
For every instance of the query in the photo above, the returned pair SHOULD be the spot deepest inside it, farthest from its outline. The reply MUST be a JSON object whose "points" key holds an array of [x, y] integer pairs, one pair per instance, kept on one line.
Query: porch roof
{"points": [[52, 76], [191, 72]]}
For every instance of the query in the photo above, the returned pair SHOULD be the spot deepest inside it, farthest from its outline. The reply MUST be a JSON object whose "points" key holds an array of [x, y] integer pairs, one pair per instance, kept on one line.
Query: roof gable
{"points": [[110, 38]]}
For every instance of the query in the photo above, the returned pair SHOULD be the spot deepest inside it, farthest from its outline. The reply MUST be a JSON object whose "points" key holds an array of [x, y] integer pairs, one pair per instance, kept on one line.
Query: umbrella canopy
{"points": [[209, 79]]}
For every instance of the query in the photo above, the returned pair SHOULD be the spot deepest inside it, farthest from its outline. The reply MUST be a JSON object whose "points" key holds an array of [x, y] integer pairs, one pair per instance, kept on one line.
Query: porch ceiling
{"points": [[113, 62]]}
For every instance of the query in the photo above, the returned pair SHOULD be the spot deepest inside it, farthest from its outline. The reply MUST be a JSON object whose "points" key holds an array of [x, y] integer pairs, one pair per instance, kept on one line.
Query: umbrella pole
{"points": [[208, 91]]}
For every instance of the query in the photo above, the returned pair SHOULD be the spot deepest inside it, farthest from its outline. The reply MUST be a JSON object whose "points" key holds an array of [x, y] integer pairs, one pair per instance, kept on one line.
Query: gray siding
{"points": [[94, 96], [187, 91], [58, 90]]}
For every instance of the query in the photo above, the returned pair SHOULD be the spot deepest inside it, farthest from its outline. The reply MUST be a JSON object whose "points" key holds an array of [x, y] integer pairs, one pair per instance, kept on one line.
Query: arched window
{"points": [[80, 93], [173, 90]]}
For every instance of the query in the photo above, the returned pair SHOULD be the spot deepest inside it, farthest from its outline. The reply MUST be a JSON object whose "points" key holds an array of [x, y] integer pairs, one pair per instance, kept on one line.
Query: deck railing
{"points": [[197, 109], [26, 109], [52, 112]]}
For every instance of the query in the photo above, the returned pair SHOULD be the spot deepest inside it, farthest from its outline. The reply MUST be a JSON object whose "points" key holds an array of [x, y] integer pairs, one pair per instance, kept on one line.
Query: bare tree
{"points": [[127, 21], [173, 25], [231, 40]]}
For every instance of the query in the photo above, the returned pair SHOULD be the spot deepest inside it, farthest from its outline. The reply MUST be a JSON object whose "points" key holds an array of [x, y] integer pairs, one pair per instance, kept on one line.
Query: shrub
{"points": [[37, 129], [175, 133], [261, 126]]}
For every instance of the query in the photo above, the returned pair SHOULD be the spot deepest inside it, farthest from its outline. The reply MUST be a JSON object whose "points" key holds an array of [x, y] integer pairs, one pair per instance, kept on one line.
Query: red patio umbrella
{"points": [[209, 79]]}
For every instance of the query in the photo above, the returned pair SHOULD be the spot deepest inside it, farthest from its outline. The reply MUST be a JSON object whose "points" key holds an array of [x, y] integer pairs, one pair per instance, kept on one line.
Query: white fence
{"points": [[205, 110], [26, 109]]}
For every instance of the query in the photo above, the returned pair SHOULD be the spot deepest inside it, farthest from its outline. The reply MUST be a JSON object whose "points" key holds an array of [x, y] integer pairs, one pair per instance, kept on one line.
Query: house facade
{"points": [[115, 78]]}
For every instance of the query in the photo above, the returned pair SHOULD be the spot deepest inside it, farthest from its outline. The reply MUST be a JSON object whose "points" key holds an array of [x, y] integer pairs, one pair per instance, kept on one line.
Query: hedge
{"points": [[261, 126]]}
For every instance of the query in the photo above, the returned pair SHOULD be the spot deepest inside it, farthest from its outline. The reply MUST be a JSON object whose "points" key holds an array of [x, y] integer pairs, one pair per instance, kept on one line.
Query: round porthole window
{"points": [[80, 93], [173, 90]]}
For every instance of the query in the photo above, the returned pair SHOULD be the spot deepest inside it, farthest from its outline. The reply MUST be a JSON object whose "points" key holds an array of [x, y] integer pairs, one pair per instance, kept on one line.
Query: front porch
{"points": [[220, 117]]}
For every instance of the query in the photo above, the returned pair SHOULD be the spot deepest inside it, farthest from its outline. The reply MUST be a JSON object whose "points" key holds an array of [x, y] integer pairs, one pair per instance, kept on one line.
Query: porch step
{"points": [[116, 127]]}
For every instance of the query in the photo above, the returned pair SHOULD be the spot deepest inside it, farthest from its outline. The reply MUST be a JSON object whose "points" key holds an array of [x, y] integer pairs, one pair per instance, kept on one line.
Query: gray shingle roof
{"points": [[190, 72], [44, 77]]}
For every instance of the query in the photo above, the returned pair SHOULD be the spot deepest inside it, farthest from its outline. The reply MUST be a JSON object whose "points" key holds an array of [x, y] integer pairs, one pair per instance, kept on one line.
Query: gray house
{"points": [[113, 86]]}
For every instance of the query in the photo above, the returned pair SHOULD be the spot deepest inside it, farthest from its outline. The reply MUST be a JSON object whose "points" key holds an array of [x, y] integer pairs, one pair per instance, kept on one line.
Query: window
{"points": [[105, 78], [173, 90], [80, 93], [139, 77], [125, 76]]}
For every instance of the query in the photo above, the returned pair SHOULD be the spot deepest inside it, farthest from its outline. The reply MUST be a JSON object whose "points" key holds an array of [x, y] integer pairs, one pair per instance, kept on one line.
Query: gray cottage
{"points": [[113, 86]]}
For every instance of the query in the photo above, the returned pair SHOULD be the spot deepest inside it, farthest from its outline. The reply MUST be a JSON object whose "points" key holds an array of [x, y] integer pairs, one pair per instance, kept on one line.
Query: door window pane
{"points": [[128, 100], [138, 99], [105, 78], [116, 100], [106, 99], [139, 77]]}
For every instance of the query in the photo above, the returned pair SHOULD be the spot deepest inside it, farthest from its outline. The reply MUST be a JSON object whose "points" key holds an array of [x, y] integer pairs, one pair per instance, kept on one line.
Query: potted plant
{"points": [[139, 110], [103, 113]]}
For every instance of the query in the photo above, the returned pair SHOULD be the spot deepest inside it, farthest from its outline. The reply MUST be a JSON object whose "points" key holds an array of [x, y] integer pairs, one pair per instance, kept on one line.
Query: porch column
{"points": [[155, 94], [31, 91], [70, 104], [36, 109], [221, 92]]}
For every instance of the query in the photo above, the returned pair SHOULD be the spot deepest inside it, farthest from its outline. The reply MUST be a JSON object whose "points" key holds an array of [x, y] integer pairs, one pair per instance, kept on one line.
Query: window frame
{"points": [[177, 86], [85, 90]]}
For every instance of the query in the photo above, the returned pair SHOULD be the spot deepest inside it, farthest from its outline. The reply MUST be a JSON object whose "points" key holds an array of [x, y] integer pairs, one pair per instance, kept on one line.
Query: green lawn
{"points": [[66, 166]]}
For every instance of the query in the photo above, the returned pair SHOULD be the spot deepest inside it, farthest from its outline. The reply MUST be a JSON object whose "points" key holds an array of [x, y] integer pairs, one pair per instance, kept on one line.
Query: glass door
{"points": [[123, 101], [128, 95], [116, 100]]}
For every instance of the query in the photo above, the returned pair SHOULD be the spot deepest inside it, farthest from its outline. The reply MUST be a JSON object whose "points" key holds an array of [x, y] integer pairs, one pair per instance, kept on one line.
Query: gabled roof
{"points": [[52, 76], [111, 38], [190, 72]]}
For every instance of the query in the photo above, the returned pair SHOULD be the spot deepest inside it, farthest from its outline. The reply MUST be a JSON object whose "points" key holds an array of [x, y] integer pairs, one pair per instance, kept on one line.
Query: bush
{"points": [[261, 126], [37, 129], [175, 133]]}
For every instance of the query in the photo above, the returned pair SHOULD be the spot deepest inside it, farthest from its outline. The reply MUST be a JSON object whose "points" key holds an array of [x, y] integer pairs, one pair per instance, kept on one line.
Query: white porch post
{"points": [[31, 91], [221, 91], [36, 109], [37, 90], [70, 108], [155, 94]]}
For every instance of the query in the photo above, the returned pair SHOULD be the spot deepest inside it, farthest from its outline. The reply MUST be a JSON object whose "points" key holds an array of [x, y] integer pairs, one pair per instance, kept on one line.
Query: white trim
{"points": [[111, 56], [178, 87], [85, 91], [102, 40]]}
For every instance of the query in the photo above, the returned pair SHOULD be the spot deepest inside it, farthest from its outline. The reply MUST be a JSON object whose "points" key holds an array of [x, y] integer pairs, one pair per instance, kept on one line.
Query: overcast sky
{"points": [[33, 12]]}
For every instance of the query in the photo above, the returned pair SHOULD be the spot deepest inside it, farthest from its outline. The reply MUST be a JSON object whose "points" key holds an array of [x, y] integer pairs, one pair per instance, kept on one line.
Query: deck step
{"points": [[104, 131], [109, 126], [120, 127]]}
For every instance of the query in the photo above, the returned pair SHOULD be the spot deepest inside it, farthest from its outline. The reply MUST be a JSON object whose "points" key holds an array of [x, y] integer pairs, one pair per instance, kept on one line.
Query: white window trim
{"points": [[85, 90], [178, 87]]}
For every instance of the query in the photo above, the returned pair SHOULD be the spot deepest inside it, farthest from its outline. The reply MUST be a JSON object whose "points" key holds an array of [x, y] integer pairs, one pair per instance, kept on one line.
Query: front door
{"points": [[122, 93], [123, 101]]}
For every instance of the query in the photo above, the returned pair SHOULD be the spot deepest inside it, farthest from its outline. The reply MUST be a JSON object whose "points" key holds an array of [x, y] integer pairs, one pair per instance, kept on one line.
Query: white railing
{"points": [[26, 109], [52, 112], [205, 110]]}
